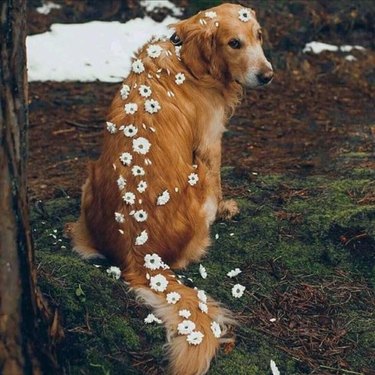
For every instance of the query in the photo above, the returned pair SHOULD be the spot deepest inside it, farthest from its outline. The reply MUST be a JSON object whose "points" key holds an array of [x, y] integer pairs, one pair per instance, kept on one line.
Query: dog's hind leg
{"points": [[82, 242]]}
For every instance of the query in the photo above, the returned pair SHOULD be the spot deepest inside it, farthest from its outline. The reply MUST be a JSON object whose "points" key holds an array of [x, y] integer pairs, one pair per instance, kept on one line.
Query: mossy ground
{"points": [[306, 248], [299, 159]]}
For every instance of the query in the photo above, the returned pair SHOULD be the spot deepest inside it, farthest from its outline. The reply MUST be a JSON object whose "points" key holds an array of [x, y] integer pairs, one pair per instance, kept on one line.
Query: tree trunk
{"points": [[24, 338]]}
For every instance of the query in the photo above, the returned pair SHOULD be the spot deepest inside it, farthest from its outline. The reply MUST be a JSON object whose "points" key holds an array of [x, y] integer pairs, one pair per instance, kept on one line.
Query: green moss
{"points": [[289, 229]]}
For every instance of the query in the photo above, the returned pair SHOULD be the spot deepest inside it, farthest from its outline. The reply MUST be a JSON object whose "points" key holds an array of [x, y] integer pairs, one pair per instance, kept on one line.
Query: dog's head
{"points": [[226, 43]]}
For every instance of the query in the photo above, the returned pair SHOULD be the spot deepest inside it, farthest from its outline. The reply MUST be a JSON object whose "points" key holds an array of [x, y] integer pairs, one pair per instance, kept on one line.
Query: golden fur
{"points": [[185, 136]]}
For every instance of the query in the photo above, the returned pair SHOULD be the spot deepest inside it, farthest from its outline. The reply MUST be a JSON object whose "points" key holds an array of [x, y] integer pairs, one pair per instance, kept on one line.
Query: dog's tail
{"points": [[196, 325]]}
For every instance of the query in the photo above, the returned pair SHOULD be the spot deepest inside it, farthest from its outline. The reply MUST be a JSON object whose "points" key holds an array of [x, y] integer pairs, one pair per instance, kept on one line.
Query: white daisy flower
{"points": [[234, 273], [121, 183], [238, 290], [211, 15], [202, 296], [138, 171], [163, 198], [184, 313], [216, 330], [195, 338], [125, 91], [142, 238], [141, 145], [153, 261], [145, 91], [158, 283], [151, 318], [130, 130], [244, 14], [115, 272], [193, 179], [126, 158], [129, 198], [154, 51], [180, 78], [138, 67], [140, 216], [203, 307], [185, 327], [131, 108], [119, 217], [203, 271], [173, 297], [142, 186], [111, 127], [152, 106]]}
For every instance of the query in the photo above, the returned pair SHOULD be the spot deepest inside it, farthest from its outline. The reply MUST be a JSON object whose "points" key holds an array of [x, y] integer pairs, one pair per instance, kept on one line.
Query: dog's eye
{"points": [[234, 43]]}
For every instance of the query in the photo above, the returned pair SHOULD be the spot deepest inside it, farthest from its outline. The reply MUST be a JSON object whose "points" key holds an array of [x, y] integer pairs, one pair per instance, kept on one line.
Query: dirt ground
{"points": [[313, 128], [318, 108]]}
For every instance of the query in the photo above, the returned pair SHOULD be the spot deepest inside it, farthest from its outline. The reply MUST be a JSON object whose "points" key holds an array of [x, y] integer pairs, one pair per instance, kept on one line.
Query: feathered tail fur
{"points": [[193, 316]]}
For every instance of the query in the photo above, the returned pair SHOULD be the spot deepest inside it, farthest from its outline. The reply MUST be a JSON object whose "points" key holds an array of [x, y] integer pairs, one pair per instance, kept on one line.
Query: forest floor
{"points": [[298, 156]]}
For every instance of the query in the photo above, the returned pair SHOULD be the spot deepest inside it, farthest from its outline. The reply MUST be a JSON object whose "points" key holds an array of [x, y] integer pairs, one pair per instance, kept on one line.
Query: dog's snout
{"points": [[265, 77]]}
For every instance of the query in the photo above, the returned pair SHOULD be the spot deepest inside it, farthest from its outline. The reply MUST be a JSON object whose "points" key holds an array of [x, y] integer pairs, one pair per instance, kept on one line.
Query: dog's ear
{"points": [[199, 50]]}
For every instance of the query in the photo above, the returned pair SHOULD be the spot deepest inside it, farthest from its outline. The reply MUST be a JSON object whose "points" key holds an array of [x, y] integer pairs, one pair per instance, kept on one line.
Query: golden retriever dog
{"points": [[148, 202]]}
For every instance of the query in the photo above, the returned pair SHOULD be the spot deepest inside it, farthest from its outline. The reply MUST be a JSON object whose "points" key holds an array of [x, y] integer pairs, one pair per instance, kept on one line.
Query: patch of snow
{"points": [[152, 5], [348, 48], [90, 51], [350, 58], [318, 47], [47, 7]]}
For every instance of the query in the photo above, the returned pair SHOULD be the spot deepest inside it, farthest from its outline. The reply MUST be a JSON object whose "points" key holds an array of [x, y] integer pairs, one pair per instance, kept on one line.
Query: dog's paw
{"points": [[227, 209]]}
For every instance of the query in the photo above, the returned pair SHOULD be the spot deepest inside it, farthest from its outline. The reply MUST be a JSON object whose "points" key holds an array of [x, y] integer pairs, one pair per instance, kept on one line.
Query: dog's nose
{"points": [[266, 77]]}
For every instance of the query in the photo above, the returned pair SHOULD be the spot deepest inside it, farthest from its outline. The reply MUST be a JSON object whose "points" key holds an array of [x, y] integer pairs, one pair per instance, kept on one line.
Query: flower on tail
{"points": [[195, 338], [173, 297], [185, 327], [159, 283]]}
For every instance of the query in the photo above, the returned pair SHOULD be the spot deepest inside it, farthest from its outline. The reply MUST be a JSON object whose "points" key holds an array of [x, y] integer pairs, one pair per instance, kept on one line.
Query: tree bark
{"points": [[24, 339]]}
